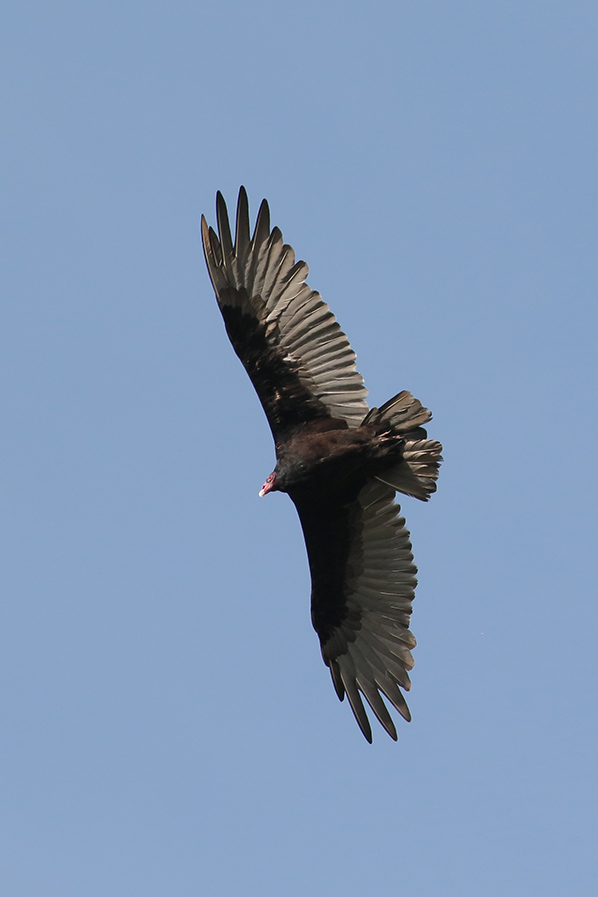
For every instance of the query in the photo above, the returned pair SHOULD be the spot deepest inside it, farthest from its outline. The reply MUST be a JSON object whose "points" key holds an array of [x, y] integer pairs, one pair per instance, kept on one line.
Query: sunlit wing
{"points": [[299, 360], [361, 607]]}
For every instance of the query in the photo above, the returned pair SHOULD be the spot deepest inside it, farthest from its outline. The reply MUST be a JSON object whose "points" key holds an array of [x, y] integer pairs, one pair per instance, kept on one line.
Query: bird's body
{"points": [[329, 459], [338, 461]]}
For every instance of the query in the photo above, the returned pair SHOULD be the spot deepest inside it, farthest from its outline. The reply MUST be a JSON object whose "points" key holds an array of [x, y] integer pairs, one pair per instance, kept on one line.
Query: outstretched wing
{"points": [[299, 360], [363, 584]]}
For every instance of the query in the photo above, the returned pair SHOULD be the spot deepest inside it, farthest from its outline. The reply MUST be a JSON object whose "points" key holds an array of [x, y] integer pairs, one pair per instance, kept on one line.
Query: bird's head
{"points": [[270, 484]]}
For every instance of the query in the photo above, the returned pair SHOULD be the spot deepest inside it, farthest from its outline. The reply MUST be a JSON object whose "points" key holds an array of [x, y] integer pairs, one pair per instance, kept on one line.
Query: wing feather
{"points": [[298, 358], [363, 616]]}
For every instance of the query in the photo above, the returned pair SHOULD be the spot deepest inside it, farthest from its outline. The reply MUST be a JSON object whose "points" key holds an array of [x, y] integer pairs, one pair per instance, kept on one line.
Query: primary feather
{"points": [[339, 462]]}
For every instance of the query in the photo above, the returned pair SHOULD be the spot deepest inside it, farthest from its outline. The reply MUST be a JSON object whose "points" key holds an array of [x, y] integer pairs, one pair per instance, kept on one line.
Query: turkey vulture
{"points": [[339, 461]]}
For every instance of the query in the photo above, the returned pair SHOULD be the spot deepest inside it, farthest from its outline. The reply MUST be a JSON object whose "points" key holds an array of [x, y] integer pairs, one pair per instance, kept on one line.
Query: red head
{"points": [[269, 485]]}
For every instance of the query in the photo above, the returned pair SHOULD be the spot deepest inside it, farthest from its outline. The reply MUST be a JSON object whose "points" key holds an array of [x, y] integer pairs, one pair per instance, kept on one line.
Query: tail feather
{"points": [[417, 472], [402, 413]]}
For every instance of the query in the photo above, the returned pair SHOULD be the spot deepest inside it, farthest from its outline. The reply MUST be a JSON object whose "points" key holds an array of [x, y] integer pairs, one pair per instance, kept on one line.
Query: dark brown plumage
{"points": [[340, 462]]}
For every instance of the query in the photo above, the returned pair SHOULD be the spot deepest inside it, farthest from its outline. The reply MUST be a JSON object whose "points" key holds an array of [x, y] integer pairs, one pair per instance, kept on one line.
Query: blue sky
{"points": [[168, 726]]}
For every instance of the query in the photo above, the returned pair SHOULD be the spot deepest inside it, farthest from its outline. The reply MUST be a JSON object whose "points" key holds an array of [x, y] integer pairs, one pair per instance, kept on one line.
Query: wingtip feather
{"points": [[226, 241], [262, 224], [242, 231]]}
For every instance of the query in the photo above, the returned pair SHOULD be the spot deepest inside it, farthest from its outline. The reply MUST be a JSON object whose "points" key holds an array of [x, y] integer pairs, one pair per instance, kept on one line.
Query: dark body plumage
{"points": [[339, 462]]}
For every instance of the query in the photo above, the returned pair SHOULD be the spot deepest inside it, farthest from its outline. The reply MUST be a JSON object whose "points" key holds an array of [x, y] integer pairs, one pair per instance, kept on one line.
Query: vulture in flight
{"points": [[339, 461]]}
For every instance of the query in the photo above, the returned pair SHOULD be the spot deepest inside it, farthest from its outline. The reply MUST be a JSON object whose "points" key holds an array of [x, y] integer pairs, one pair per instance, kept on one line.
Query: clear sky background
{"points": [[167, 724]]}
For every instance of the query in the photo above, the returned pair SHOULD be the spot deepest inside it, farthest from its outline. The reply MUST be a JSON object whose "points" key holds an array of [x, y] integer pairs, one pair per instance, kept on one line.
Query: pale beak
{"points": [[268, 486]]}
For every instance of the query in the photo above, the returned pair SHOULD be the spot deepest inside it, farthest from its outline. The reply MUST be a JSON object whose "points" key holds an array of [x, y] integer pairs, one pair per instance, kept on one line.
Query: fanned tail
{"points": [[417, 472]]}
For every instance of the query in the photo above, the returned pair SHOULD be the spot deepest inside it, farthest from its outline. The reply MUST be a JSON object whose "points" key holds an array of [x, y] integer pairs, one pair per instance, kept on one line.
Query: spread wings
{"points": [[299, 360], [363, 584]]}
